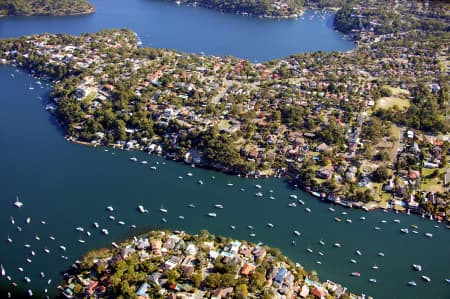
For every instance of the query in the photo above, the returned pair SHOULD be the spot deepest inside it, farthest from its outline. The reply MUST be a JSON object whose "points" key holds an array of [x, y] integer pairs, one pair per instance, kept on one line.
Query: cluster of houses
{"points": [[177, 250]]}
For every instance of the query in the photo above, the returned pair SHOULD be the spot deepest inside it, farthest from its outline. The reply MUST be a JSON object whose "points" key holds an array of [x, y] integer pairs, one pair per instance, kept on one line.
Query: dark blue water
{"points": [[194, 29], [69, 185]]}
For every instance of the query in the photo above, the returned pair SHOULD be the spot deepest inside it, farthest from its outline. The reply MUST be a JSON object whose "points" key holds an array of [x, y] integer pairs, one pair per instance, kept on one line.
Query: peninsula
{"points": [[164, 264], [367, 128], [258, 8], [45, 7]]}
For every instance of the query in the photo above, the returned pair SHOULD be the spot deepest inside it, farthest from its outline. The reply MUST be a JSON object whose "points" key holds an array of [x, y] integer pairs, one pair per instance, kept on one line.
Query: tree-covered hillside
{"points": [[44, 7]]}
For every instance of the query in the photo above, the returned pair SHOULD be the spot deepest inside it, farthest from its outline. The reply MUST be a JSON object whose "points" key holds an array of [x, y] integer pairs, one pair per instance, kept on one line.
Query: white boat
{"points": [[229, 184], [292, 205], [318, 262], [121, 222], [19, 229], [308, 210], [415, 232], [353, 261], [81, 241], [189, 174], [62, 247], [141, 209], [331, 209], [293, 242], [301, 202], [144, 162], [51, 238], [96, 225], [18, 203], [219, 206], [348, 220], [28, 260], [111, 217], [28, 220], [153, 167], [320, 253], [296, 232], [105, 231], [372, 280], [358, 252], [404, 230], [49, 281], [270, 224], [362, 218], [258, 194], [30, 293], [383, 221], [27, 279], [163, 210], [316, 194], [344, 213], [242, 189], [80, 229], [191, 205], [134, 159], [212, 215], [252, 235], [375, 267], [293, 196], [9, 239], [12, 220], [309, 250], [42, 274], [27, 245], [115, 244], [109, 208], [37, 237], [338, 245], [396, 220], [46, 250], [377, 228], [43, 222], [232, 227], [271, 197], [88, 233], [429, 235], [250, 227], [380, 253], [322, 242], [412, 283], [180, 177], [2, 269], [181, 217], [200, 182], [20, 269], [258, 186]]}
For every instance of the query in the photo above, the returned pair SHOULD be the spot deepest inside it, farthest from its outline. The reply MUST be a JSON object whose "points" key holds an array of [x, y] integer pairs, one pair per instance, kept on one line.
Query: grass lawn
{"points": [[435, 184], [389, 102]]}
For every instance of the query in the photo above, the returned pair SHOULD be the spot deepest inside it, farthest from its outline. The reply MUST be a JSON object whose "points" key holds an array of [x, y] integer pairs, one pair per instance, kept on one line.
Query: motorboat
{"points": [[141, 209], [163, 210], [2, 270], [301, 202], [375, 267], [28, 220], [426, 278], [353, 261], [412, 283], [27, 279], [258, 194], [200, 182], [250, 227], [258, 186], [81, 241], [219, 206], [12, 220], [372, 280], [252, 235], [232, 227], [308, 210], [191, 205], [153, 167], [429, 235], [331, 209], [230, 184], [337, 219], [144, 162], [396, 220], [62, 247], [96, 225], [189, 174], [181, 217], [362, 218], [18, 203], [270, 224], [293, 196], [380, 253], [404, 230], [318, 262], [115, 244], [121, 222], [296, 232], [338, 245], [111, 217], [105, 231], [358, 252], [292, 205], [46, 250], [357, 274], [377, 228], [109, 208], [9, 239], [322, 242], [163, 220], [134, 159], [212, 215], [348, 220], [80, 229], [309, 250], [417, 267], [51, 238]]}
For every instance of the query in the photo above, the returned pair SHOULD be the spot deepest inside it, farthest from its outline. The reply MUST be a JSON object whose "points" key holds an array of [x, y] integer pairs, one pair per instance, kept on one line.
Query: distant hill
{"points": [[44, 7]]}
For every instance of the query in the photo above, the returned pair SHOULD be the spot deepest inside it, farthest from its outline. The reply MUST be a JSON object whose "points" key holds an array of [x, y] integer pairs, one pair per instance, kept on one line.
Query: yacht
{"points": [[417, 267], [269, 224], [62, 247], [219, 206], [121, 222], [162, 210], [80, 229], [258, 186], [259, 194], [191, 205], [331, 209], [181, 217], [134, 159], [308, 210], [296, 232], [2, 269], [12, 220], [18, 203], [233, 227], [404, 230], [212, 215], [109, 208], [353, 261], [81, 241], [293, 196], [200, 182], [358, 252], [96, 224], [372, 280], [412, 283], [396, 220], [357, 274], [338, 245], [309, 250], [141, 209], [429, 235], [292, 205], [380, 253], [426, 278], [105, 231], [375, 267], [111, 217]]}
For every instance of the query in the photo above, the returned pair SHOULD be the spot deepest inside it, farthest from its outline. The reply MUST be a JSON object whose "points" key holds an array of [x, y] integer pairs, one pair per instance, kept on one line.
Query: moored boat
{"points": [[18, 203], [356, 274], [296, 232], [212, 215], [426, 278], [417, 267], [412, 283], [372, 280]]}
